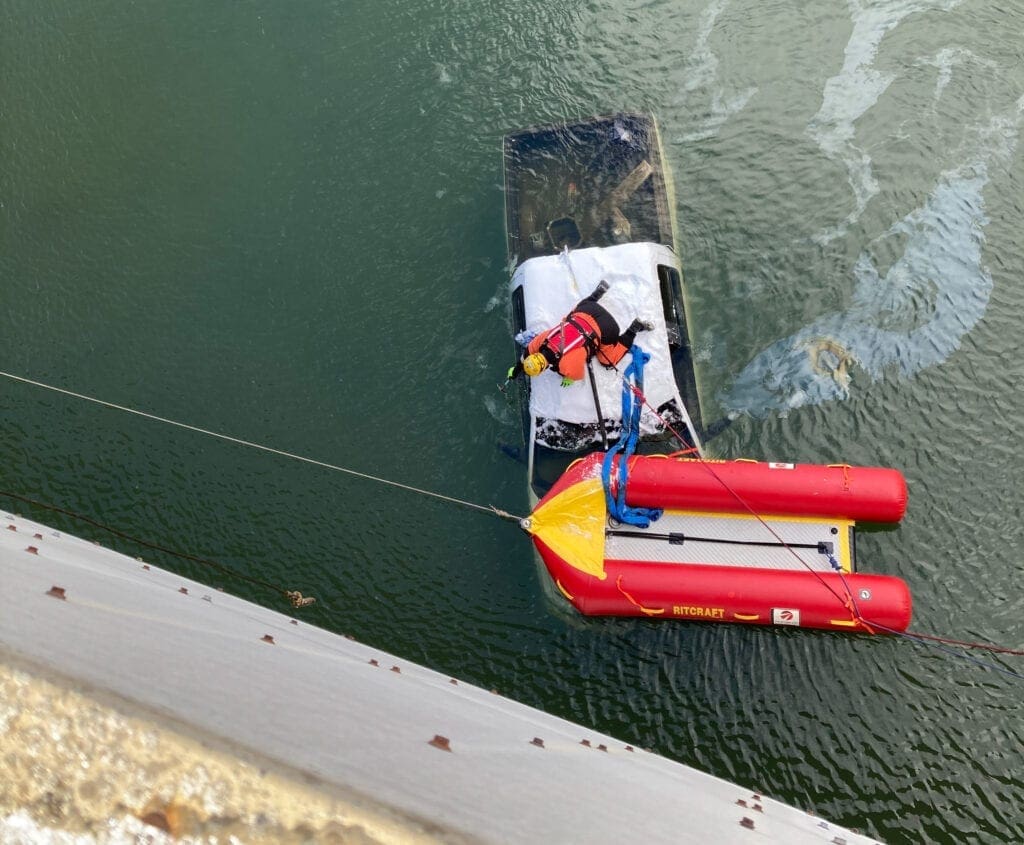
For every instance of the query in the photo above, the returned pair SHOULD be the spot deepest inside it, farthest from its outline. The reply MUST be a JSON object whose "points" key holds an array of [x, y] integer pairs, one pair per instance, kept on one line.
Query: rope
{"points": [[648, 611], [687, 448], [967, 644], [626, 444], [942, 644], [849, 602], [639, 394], [296, 598], [271, 450]]}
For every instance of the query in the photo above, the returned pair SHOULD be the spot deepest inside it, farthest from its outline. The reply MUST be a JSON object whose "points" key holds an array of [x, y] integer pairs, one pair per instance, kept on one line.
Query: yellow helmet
{"points": [[535, 364]]}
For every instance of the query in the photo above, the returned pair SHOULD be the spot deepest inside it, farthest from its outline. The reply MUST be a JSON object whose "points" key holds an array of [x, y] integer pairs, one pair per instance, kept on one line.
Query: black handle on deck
{"points": [[676, 538]]}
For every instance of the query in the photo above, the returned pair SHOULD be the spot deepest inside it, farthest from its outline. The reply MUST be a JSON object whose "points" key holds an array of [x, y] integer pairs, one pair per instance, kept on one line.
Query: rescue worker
{"points": [[589, 331]]}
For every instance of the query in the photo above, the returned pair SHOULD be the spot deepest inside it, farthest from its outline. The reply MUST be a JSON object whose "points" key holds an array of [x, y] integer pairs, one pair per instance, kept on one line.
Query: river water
{"points": [[284, 222]]}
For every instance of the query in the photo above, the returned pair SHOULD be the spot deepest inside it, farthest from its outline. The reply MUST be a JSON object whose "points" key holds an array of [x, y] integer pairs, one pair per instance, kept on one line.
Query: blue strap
{"points": [[632, 406]]}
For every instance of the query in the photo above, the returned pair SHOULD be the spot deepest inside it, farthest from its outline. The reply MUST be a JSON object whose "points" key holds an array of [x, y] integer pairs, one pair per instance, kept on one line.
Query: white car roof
{"points": [[554, 284]]}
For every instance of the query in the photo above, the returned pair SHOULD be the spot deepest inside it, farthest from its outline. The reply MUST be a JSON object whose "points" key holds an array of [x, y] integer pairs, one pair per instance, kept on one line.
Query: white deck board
{"points": [[699, 530]]}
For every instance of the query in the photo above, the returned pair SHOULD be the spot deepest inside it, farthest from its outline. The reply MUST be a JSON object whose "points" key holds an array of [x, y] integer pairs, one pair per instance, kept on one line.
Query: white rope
{"points": [[251, 445]]}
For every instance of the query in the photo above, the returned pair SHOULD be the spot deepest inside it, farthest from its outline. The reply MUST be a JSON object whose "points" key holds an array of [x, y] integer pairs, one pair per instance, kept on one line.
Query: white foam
{"points": [[720, 112], [848, 95], [702, 69], [913, 317], [702, 74]]}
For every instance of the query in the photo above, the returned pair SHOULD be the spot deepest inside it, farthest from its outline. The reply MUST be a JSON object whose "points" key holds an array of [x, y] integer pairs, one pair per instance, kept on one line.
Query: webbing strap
{"points": [[632, 406]]}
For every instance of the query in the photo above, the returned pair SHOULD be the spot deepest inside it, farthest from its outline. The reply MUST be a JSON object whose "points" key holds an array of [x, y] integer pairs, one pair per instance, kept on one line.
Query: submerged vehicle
{"points": [[585, 203], [629, 517]]}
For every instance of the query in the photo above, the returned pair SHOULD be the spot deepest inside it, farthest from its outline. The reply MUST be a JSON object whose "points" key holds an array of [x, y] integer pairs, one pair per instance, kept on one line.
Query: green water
{"points": [[284, 221]]}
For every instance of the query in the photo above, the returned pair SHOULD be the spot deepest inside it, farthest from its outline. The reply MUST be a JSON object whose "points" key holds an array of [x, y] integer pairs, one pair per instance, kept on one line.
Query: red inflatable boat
{"points": [[739, 541]]}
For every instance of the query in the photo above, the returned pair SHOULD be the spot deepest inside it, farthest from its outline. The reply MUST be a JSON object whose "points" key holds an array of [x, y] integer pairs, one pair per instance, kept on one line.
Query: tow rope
{"points": [[294, 597], [279, 452], [632, 401], [632, 406]]}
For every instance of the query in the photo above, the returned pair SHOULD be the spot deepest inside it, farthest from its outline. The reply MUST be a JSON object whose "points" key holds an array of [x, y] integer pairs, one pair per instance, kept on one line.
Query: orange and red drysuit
{"points": [[590, 330]]}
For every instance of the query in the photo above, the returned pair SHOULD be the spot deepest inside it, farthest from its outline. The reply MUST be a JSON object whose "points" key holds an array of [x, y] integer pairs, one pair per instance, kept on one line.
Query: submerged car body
{"points": [[591, 202]]}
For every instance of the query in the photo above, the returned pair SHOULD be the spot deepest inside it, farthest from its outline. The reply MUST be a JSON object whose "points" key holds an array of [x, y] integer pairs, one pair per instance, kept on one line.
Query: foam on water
{"points": [[702, 74], [946, 61], [854, 90], [913, 317]]}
